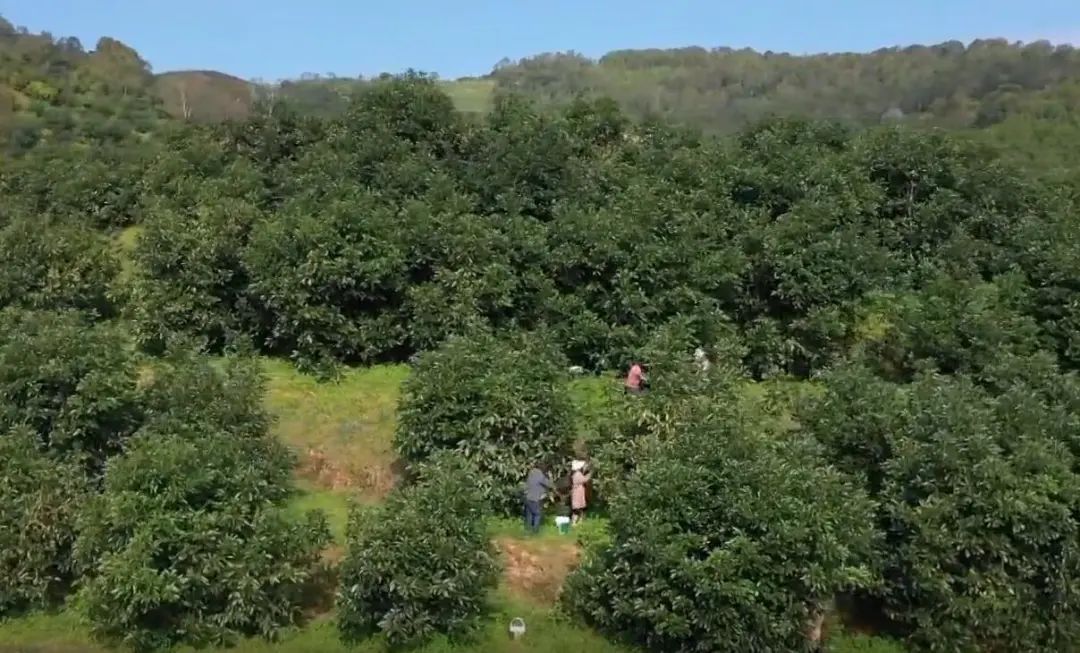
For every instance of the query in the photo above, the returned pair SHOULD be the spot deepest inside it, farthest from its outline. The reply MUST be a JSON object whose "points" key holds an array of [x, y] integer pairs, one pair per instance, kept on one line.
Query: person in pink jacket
{"points": [[578, 479], [636, 379]]}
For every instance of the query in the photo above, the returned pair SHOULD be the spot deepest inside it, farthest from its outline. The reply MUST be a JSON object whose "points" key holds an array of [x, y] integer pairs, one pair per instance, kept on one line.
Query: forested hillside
{"points": [[882, 436], [53, 92], [950, 84], [719, 90]]}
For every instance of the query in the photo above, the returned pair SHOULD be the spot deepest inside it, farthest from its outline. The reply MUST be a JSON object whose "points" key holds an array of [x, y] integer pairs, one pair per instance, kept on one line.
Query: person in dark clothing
{"points": [[537, 485]]}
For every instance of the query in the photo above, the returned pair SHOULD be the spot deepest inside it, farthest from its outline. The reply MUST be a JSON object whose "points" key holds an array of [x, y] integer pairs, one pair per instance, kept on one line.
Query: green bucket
{"points": [[563, 524]]}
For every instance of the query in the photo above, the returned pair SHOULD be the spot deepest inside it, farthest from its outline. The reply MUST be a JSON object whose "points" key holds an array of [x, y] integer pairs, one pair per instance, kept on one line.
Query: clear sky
{"points": [[273, 39]]}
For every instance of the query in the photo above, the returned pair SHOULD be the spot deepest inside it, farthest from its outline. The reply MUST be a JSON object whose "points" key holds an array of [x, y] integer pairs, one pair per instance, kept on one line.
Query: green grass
{"points": [[592, 398], [470, 95], [350, 422], [124, 242], [546, 633], [334, 504], [776, 400]]}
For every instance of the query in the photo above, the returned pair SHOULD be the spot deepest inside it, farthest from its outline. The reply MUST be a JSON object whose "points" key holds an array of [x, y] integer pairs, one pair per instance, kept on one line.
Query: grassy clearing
{"points": [[342, 431], [593, 398], [778, 399], [334, 504], [124, 243], [470, 95]]}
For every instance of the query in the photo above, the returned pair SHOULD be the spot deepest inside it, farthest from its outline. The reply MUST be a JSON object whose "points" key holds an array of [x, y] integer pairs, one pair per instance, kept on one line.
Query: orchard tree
{"points": [[726, 540], [420, 564], [56, 265], [977, 504], [96, 187], [189, 277], [329, 280], [499, 402], [71, 383], [40, 500], [188, 540], [185, 389]]}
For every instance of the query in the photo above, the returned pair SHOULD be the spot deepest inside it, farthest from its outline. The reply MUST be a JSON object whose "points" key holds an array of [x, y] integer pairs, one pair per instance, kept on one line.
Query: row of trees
{"points": [[946, 497], [380, 234], [928, 488], [150, 490]]}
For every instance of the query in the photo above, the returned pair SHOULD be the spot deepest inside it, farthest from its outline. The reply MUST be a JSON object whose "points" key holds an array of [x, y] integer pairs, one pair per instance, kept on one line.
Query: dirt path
{"points": [[534, 569]]}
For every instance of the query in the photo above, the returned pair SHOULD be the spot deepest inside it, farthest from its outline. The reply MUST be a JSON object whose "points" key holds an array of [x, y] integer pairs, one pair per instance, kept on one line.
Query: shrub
{"points": [[499, 403], [956, 327], [56, 266], [39, 501], [420, 564], [97, 187], [186, 544], [72, 384], [190, 391], [726, 541]]}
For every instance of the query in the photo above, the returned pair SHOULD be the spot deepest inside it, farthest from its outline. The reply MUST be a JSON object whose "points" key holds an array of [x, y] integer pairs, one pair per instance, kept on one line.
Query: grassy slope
{"points": [[470, 95], [343, 432]]}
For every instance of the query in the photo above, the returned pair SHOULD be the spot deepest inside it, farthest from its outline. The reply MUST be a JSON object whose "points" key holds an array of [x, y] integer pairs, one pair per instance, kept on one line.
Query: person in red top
{"points": [[635, 380]]}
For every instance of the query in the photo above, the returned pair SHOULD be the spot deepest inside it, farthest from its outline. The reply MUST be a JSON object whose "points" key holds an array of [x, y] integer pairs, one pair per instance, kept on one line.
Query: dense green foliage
{"points": [[726, 541], [633, 428], [912, 290], [72, 384], [56, 266], [54, 92], [421, 563], [156, 490], [184, 543], [977, 501], [497, 403], [40, 499], [723, 89], [399, 228], [190, 515]]}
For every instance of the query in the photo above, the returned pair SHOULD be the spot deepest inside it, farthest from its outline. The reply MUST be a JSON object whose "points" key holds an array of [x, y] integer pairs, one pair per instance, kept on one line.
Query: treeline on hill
{"points": [[923, 288], [722, 89]]}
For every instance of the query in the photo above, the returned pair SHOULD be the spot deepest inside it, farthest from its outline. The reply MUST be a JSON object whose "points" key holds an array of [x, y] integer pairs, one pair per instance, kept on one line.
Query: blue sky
{"points": [[273, 39]]}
